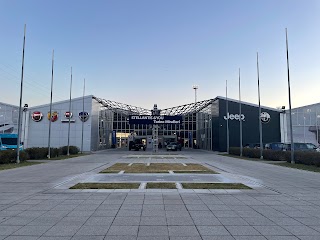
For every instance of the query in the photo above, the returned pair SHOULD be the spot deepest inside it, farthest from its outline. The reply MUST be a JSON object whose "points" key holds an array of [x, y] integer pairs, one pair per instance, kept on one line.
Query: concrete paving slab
{"points": [[274, 206]]}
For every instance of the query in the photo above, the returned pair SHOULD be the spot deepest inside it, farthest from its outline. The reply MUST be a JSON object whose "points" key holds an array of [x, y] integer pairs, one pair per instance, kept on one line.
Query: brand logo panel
{"points": [[53, 116], [36, 116], [84, 116]]}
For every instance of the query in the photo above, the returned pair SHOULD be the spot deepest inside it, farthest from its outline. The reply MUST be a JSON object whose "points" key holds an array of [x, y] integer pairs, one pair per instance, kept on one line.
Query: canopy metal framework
{"points": [[187, 108], [131, 110], [123, 108]]}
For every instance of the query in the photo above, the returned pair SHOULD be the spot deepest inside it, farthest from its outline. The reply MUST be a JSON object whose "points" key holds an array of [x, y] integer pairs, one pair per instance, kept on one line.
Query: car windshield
{"points": [[311, 146], [9, 141]]}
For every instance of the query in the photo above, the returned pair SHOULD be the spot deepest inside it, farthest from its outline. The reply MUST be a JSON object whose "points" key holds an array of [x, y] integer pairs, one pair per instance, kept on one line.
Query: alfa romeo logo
{"points": [[84, 116], [265, 117], [53, 117], [36, 116]]}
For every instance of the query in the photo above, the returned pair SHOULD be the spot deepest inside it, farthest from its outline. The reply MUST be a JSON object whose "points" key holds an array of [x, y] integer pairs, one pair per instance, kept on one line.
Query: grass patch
{"points": [[243, 158], [196, 172], [155, 168], [161, 185], [106, 186], [214, 186], [15, 165], [63, 157], [300, 166]]}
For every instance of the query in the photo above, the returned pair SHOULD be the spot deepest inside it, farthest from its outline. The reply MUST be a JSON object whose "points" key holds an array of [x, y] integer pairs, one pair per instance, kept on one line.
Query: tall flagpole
{"points": [[50, 110], [260, 123], [290, 114], [68, 152], [227, 111], [21, 88], [317, 131], [84, 86], [240, 118]]}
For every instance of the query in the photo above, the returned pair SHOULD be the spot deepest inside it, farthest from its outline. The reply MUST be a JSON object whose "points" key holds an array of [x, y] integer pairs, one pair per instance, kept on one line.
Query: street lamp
{"points": [[195, 87], [25, 109]]}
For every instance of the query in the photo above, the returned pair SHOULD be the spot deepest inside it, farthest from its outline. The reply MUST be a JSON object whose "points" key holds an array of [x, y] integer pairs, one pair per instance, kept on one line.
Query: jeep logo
{"points": [[234, 117]]}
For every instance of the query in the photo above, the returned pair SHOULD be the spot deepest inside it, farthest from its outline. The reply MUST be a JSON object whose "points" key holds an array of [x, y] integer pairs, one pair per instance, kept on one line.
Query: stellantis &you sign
{"points": [[148, 119]]}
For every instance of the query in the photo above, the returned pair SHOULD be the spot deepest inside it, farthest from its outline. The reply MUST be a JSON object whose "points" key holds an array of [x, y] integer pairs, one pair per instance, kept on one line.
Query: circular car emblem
{"points": [[84, 116], [54, 116], [265, 117], [68, 115], [36, 116]]}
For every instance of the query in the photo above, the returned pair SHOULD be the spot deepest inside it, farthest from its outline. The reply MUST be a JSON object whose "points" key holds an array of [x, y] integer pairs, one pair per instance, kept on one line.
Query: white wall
{"points": [[38, 132]]}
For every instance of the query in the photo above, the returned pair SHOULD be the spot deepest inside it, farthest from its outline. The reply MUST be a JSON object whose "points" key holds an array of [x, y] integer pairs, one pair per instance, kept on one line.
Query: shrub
{"points": [[307, 158], [234, 151], [10, 156], [72, 150], [42, 153], [274, 155], [255, 153], [251, 153]]}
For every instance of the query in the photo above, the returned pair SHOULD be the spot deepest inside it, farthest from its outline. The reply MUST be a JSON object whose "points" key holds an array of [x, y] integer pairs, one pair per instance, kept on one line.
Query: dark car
{"points": [[276, 146], [306, 147], [137, 144], [174, 146]]}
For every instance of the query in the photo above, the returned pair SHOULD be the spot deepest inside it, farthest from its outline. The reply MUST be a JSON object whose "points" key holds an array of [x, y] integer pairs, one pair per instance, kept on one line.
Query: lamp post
{"points": [[25, 109], [195, 87]]}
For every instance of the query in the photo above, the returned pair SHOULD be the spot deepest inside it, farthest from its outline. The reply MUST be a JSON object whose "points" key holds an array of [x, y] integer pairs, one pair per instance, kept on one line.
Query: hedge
{"points": [[10, 156], [307, 158], [42, 153], [255, 153]]}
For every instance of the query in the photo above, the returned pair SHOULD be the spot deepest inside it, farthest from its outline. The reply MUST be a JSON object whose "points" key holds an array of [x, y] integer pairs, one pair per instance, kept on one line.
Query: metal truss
{"points": [[132, 110], [123, 108], [187, 108]]}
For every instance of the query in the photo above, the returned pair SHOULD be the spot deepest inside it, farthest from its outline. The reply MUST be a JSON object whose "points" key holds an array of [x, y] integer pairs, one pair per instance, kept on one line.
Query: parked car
{"points": [[174, 146], [307, 147], [276, 146], [252, 145], [137, 144]]}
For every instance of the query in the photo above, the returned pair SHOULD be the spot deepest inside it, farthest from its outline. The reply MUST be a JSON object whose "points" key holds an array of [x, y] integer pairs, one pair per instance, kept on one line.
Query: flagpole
{"points": [[260, 123], [21, 88], [240, 119], [227, 111], [68, 152], [50, 109], [290, 114], [84, 86]]}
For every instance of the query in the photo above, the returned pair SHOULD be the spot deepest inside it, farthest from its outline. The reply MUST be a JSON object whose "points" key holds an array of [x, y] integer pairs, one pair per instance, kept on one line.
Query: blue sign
{"points": [[190, 139], [148, 119], [114, 137]]}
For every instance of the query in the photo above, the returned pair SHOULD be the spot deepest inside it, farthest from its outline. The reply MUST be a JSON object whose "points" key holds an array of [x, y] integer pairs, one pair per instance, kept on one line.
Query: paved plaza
{"points": [[36, 202]]}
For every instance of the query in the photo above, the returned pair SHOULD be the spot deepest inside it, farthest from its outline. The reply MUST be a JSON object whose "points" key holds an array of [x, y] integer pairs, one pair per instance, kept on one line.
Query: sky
{"points": [[142, 52]]}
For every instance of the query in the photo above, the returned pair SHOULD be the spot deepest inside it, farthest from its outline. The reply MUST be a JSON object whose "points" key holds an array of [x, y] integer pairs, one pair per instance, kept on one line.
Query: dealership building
{"points": [[97, 123]]}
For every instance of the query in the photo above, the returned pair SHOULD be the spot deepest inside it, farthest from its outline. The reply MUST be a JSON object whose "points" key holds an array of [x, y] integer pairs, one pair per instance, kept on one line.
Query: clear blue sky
{"points": [[144, 52]]}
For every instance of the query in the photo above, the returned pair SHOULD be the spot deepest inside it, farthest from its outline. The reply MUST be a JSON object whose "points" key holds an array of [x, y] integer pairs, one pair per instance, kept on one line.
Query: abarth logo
{"points": [[53, 117]]}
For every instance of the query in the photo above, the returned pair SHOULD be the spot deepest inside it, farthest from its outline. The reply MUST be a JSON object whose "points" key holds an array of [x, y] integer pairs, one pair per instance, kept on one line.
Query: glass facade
{"points": [[194, 132], [305, 124], [8, 118]]}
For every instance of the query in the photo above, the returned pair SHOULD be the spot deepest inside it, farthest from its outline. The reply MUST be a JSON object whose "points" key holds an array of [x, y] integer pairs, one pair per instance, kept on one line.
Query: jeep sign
{"points": [[234, 117]]}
